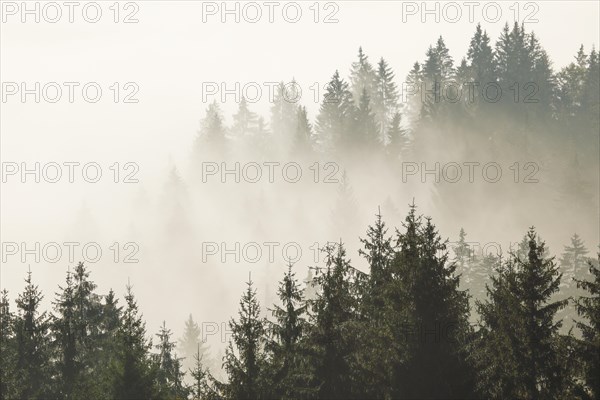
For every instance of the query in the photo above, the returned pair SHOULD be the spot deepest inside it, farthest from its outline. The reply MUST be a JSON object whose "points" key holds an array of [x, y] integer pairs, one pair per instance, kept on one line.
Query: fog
{"points": [[172, 208]]}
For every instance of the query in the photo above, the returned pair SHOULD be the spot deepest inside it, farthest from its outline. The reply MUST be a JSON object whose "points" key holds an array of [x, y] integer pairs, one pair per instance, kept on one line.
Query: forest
{"points": [[421, 317]]}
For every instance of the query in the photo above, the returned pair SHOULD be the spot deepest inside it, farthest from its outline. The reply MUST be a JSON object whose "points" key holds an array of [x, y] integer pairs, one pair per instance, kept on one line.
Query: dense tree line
{"points": [[399, 330], [507, 92], [503, 102], [420, 323]]}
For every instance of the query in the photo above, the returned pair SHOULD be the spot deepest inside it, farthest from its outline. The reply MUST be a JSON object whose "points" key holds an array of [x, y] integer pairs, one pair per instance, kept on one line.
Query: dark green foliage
{"points": [[244, 357], [202, 387], [520, 353], [169, 374], [399, 331], [32, 358], [588, 308], [438, 312], [285, 333], [331, 335], [8, 384], [134, 375]]}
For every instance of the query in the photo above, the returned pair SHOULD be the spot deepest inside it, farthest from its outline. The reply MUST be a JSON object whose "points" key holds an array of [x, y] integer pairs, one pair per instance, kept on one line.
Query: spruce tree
{"points": [[415, 99], [377, 347], [32, 345], [333, 330], [588, 307], [573, 266], [202, 387], [365, 127], [191, 342], [169, 374], [286, 331], [570, 87], [498, 347], [398, 139], [437, 325], [362, 77], [520, 344], [379, 253], [211, 137], [539, 278], [244, 121], [284, 117], [385, 99], [438, 70], [8, 388], [134, 375], [482, 66], [335, 118], [244, 363], [108, 344], [302, 143], [68, 339]]}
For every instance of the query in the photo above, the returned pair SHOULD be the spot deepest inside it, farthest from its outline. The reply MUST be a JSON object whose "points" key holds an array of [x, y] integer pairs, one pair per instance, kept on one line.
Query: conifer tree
{"points": [[570, 86], [520, 341], [573, 265], [377, 348], [108, 345], [362, 77], [333, 329], [539, 278], [379, 253], [462, 251], [202, 387], [438, 70], [437, 325], [591, 100], [385, 99], [169, 374], [543, 78], [286, 331], [191, 342], [244, 121], [415, 98], [302, 143], [211, 137], [498, 346], [68, 339], [284, 115], [8, 389], [335, 118], [482, 65], [134, 377], [244, 363], [32, 345], [588, 307], [398, 138], [365, 127]]}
